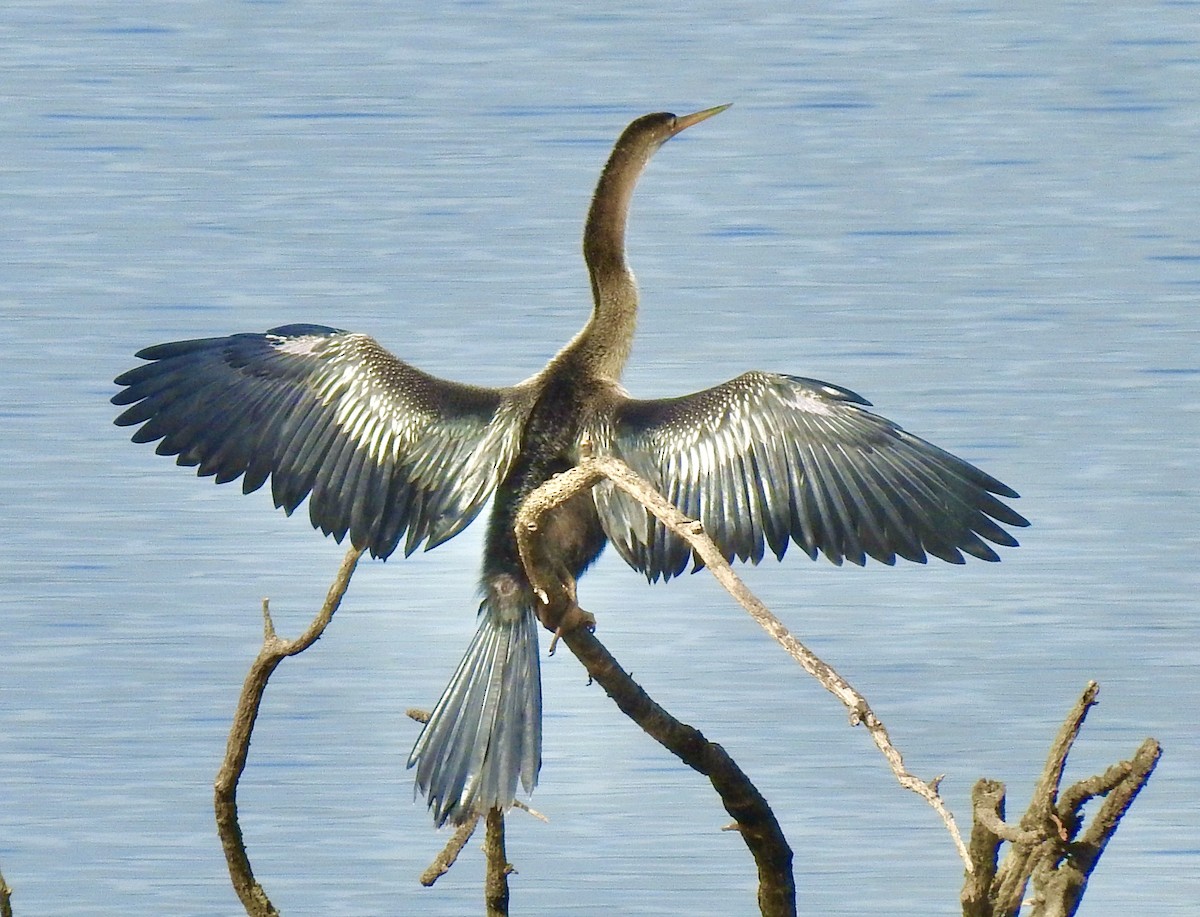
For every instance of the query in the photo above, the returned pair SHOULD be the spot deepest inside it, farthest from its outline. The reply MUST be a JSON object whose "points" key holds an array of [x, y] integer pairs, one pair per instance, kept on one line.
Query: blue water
{"points": [[985, 219]]}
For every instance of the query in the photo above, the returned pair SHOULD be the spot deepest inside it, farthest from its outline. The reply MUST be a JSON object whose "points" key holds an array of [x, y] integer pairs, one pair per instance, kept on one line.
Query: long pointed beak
{"points": [[682, 122]]}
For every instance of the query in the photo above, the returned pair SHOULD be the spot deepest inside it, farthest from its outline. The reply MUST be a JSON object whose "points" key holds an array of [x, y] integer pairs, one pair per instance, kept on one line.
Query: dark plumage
{"points": [[386, 453]]}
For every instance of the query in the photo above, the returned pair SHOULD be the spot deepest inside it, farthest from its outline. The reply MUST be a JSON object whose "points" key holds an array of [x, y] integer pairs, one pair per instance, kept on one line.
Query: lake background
{"points": [[984, 218]]}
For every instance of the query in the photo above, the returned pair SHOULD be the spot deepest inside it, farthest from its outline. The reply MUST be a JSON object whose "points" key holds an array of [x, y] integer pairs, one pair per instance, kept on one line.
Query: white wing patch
{"points": [[304, 346], [811, 403]]}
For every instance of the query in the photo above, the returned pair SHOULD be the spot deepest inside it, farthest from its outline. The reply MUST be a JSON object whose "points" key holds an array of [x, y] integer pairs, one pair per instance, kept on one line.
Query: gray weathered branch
{"points": [[274, 650], [590, 471], [1047, 849]]}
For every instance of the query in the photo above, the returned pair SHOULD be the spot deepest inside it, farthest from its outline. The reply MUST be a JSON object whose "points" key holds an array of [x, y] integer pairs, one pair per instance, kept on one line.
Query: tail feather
{"points": [[486, 731]]}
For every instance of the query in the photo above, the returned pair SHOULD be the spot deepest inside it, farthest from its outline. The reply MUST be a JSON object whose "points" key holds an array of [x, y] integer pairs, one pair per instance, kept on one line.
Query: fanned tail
{"points": [[486, 730]]}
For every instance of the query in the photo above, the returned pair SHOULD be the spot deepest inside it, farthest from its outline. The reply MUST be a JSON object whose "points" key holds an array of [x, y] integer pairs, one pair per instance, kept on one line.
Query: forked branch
{"points": [[590, 471], [1049, 847], [274, 650], [495, 880]]}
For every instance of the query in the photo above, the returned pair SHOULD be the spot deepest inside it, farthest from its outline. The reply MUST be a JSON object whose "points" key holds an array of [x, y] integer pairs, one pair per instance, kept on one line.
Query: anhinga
{"points": [[385, 453]]}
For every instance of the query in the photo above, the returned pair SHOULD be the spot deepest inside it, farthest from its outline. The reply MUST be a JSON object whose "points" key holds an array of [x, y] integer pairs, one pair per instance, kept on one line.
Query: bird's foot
{"points": [[572, 619]]}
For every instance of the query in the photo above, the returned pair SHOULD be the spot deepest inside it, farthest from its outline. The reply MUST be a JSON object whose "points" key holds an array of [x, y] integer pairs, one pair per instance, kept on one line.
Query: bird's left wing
{"points": [[765, 459], [383, 448]]}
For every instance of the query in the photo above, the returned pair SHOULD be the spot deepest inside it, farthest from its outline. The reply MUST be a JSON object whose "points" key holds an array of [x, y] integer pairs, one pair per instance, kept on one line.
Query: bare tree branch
{"points": [[1060, 884], [443, 861], [589, 472], [1046, 849], [754, 819], [274, 650], [495, 886]]}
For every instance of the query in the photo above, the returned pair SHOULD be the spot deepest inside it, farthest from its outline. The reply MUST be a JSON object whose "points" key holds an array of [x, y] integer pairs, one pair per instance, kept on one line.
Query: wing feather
{"points": [[382, 451], [767, 459]]}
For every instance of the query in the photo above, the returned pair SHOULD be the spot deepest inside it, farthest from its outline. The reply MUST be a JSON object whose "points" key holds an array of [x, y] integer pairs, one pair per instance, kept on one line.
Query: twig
{"points": [[443, 861], [593, 468], [1045, 793], [1114, 785], [274, 650], [5, 898]]}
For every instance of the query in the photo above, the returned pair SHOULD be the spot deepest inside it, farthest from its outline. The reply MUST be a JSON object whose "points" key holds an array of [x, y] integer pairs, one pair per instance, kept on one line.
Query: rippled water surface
{"points": [[986, 219]]}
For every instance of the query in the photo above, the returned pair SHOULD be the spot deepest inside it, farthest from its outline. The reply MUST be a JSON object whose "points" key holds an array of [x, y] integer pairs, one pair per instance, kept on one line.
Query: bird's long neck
{"points": [[605, 341]]}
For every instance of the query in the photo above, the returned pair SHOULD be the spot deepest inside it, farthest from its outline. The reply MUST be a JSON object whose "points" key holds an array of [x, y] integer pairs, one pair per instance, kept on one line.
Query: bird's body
{"points": [[386, 453]]}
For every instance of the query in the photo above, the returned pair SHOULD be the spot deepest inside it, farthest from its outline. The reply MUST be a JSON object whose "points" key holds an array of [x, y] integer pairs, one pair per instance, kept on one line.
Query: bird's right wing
{"points": [[383, 448]]}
